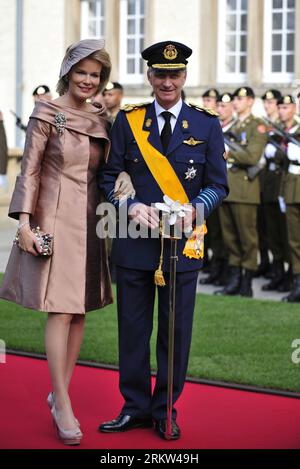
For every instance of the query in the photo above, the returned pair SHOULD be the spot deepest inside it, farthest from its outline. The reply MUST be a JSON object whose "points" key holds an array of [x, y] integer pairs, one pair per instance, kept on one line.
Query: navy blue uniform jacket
{"points": [[208, 187]]}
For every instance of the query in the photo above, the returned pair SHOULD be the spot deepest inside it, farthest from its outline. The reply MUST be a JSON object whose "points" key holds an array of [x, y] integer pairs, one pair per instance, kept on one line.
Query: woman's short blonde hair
{"points": [[101, 56]]}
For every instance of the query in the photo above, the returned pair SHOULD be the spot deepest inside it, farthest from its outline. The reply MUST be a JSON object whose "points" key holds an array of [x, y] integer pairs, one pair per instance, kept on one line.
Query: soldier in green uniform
{"points": [[210, 98], [218, 271], [291, 188], [113, 95], [214, 236], [239, 214], [274, 211]]}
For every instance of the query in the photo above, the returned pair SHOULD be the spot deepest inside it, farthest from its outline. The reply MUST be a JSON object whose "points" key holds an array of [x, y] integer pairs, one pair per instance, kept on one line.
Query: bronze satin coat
{"points": [[58, 187]]}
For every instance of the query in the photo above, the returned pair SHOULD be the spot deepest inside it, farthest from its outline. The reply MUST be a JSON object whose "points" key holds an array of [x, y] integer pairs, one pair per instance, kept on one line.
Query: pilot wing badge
{"points": [[192, 142]]}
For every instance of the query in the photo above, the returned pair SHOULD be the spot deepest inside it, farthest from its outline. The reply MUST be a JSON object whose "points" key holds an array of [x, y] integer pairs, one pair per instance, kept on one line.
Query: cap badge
{"points": [[269, 95], [185, 124], [226, 98], [287, 100], [40, 90], [212, 94], [109, 86], [170, 52], [242, 92]]}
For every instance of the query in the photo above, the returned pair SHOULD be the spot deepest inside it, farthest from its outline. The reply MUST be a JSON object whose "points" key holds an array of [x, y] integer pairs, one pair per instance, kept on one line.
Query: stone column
{"points": [[112, 20], [72, 22], [208, 39]]}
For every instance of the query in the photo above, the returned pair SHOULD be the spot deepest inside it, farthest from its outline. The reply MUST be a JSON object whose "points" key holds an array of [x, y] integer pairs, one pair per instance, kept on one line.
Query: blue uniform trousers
{"points": [[136, 296]]}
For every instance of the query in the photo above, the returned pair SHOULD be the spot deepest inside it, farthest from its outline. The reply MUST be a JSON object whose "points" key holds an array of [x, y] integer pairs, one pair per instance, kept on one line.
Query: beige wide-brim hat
{"points": [[78, 51]]}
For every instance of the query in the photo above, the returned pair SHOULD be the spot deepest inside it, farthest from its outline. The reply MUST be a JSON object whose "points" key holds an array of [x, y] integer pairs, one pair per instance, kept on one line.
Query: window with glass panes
{"points": [[92, 19], [279, 39], [233, 29], [132, 34]]}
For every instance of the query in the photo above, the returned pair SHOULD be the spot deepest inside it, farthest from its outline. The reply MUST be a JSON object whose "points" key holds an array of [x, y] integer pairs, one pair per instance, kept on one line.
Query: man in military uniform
{"points": [[113, 95], [291, 187], [239, 215], [218, 269], [210, 98], [166, 147], [213, 237], [274, 213]]}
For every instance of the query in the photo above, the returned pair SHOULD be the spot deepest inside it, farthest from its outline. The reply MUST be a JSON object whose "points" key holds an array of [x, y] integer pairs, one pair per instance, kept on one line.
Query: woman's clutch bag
{"points": [[45, 240]]}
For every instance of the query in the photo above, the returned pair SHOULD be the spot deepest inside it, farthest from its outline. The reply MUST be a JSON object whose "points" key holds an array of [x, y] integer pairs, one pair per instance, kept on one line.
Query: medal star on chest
{"points": [[190, 173]]}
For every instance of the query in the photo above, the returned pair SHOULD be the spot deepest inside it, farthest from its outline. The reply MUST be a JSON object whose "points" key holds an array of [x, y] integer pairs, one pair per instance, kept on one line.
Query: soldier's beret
{"points": [[167, 55], [211, 93], [287, 99], [225, 98], [41, 89], [244, 91], [271, 94]]}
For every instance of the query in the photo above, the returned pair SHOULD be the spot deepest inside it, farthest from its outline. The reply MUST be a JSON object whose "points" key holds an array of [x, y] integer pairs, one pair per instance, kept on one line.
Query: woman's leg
{"points": [[56, 344], [74, 343]]}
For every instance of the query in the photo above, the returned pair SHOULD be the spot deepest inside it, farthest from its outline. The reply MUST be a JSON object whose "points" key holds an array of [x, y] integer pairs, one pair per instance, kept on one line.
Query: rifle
{"points": [[19, 122], [230, 138], [282, 133]]}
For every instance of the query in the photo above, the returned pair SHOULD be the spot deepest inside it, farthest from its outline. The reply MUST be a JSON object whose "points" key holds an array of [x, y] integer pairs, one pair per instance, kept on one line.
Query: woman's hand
{"points": [[28, 241], [123, 186]]}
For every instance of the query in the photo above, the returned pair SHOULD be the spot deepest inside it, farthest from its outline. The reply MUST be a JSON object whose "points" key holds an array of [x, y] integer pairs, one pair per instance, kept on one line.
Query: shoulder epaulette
{"points": [[132, 107], [207, 110]]}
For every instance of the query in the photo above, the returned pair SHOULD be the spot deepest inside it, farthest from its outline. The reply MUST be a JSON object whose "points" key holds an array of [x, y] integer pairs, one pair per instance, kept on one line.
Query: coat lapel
{"points": [[181, 129], [151, 126]]}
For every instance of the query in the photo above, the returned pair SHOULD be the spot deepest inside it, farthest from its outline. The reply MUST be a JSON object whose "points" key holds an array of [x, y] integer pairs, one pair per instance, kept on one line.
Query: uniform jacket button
{"points": [[136, 160]]}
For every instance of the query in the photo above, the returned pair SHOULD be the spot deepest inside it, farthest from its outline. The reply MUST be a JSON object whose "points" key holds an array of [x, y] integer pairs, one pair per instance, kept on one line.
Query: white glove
{"points": [[270, 151], [293, 152], [227, 149]]}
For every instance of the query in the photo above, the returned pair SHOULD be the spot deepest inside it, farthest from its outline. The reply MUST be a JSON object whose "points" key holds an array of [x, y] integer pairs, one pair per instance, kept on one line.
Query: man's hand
{"points": [[123, 186], [187, 221], [144, 215]]}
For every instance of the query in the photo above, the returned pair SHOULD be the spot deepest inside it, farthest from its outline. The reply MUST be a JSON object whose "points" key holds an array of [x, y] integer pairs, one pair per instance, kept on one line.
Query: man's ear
{"points": [[149, 76]]}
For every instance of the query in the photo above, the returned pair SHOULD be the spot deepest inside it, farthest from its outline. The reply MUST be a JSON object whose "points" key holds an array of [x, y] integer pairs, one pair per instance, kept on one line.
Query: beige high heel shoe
{"points": [[50, 402], [67, 437]]}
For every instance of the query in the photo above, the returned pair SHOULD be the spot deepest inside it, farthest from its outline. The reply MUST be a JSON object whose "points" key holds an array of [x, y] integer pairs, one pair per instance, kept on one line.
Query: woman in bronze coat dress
{"points": [[66, 144]]}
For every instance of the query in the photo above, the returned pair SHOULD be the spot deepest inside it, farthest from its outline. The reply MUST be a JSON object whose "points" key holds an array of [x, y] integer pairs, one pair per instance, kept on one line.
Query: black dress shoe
{"points": [[160, 428], [124, 423]]}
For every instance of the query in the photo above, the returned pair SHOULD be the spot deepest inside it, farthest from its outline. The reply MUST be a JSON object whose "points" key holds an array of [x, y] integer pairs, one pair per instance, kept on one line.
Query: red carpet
{"points": [[210, 417]]}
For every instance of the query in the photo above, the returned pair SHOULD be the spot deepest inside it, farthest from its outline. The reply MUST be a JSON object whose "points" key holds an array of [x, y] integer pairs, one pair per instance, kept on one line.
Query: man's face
{"points": [[167, 86], [270, 106], [113, 98], [210, 102], [242, 104], [225, 110], [286, 112]]}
